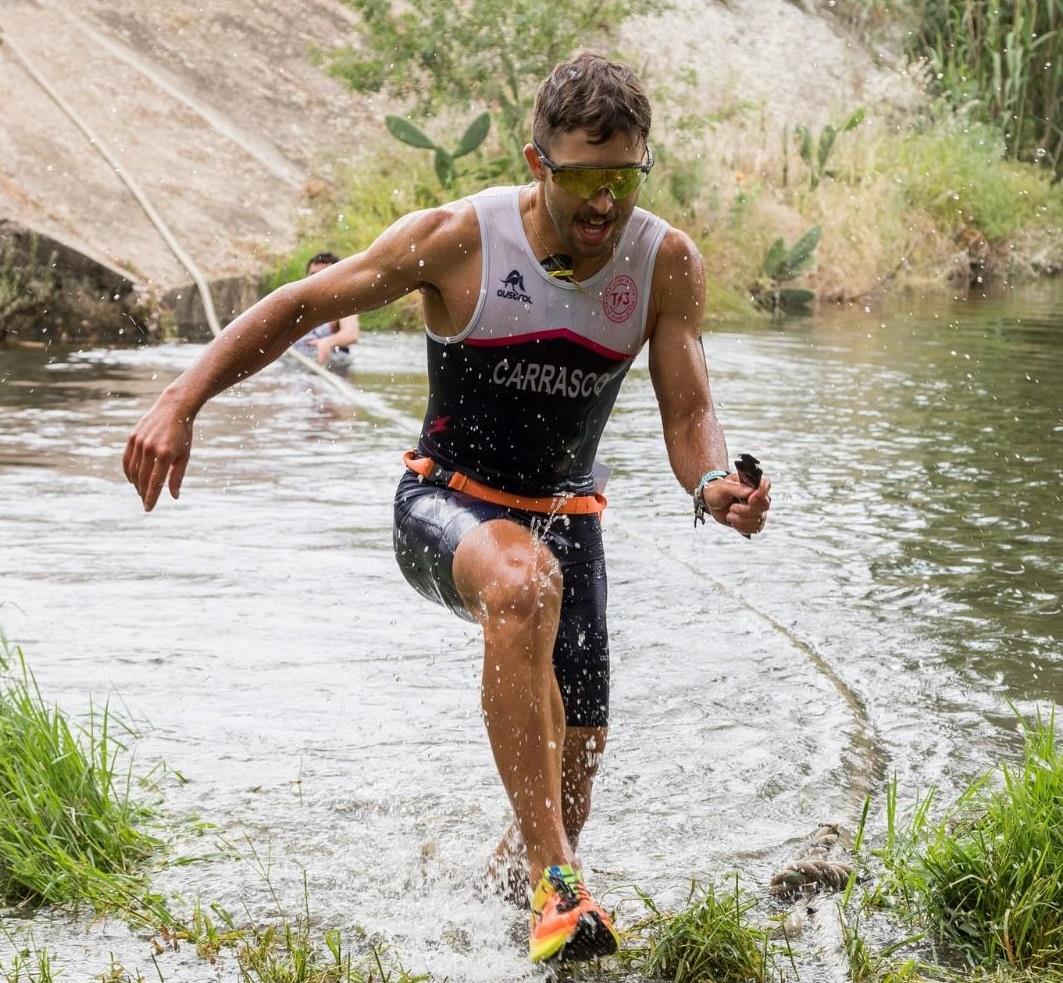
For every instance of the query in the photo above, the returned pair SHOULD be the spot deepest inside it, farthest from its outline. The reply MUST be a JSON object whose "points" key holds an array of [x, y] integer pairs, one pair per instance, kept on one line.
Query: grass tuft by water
{"points": [[291, 953], [986, 879], [68, 822], [30, 965], [710, 939]]}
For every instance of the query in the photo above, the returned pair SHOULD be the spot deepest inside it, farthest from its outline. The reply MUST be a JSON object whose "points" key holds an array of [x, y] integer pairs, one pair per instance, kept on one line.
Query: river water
{"points": [[326, 718]]}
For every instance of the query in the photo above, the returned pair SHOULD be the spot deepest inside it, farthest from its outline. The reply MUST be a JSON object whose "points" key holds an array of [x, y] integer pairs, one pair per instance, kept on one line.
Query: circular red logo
{"points": [[620, 298]]}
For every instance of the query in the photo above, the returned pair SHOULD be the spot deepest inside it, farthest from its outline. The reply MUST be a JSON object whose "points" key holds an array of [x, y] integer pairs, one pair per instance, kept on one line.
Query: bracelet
{"points": [[699, 501]]}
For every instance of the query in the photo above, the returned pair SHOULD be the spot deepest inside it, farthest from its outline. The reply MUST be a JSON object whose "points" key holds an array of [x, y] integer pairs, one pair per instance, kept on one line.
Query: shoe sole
{"points": [[591, 940]]}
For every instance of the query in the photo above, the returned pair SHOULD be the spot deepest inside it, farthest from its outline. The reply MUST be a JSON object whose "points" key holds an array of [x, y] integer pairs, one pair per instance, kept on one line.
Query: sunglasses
{"points": [[585, 181]]}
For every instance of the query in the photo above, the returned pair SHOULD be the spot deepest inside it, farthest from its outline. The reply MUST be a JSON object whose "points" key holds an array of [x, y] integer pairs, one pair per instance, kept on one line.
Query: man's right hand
{"points": [[158, 447]]}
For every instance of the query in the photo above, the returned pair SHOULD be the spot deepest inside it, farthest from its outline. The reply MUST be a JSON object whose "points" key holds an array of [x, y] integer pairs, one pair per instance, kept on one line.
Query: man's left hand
{"points": [[737, 505]]}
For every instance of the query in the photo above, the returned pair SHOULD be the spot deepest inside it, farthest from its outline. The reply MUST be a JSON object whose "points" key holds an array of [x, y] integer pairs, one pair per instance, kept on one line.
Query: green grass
{"points": [[709, 941], [68, 823], [292, 953], [30, 965], [986, 879], [957, 174]]}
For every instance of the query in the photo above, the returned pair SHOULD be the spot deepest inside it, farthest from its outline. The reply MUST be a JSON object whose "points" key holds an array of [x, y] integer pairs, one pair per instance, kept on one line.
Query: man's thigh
{"points": [[432, 523]]}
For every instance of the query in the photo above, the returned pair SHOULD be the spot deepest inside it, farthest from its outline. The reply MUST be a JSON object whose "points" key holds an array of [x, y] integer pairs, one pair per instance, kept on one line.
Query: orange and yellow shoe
{"points": [[567, 924]]}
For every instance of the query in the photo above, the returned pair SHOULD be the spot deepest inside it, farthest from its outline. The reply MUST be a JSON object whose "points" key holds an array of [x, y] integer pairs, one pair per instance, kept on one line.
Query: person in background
{"points": [[329, 343]]}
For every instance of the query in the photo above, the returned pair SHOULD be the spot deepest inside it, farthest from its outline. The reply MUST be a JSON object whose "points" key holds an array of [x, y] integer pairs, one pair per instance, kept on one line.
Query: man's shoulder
{"points": [[678, 246], [678, 255], [449, 217], [678, 275], [442, 229]]}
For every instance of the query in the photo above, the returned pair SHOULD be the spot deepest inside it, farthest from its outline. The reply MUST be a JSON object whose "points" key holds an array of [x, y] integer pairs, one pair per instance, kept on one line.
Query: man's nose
{"points": [[602, 202]]}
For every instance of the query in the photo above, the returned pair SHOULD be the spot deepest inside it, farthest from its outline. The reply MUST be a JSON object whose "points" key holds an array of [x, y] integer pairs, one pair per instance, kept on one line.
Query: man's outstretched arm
{"points": [[692, 432], [158, 448]]}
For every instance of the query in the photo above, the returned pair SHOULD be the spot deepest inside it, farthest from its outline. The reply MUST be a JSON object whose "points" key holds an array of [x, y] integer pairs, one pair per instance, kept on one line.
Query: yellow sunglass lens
{"points": [[618, 181]]}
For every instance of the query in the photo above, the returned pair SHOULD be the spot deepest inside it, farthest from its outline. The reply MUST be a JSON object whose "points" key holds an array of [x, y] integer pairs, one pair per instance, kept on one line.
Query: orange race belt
{"points": [[549, 504]]}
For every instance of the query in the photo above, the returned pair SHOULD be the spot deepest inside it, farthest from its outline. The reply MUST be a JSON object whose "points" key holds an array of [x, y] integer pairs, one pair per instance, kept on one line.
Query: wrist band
{"points": [[699, 501]]}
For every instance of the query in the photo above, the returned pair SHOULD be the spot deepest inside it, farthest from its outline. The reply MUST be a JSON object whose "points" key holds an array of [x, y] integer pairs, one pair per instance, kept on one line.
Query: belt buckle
{"points": [[441, 476]]}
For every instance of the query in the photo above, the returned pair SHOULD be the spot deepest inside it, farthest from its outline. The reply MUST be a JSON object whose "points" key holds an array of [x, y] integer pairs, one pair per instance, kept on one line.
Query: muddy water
{"points": [[326, 718]]}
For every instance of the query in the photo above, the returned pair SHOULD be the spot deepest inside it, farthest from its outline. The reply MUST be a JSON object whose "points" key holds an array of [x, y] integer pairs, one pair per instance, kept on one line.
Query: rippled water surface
{"points": [[262, 638]]}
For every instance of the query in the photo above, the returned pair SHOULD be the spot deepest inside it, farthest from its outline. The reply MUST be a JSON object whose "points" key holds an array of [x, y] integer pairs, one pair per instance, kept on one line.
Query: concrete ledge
{"points": [[231, 295]]}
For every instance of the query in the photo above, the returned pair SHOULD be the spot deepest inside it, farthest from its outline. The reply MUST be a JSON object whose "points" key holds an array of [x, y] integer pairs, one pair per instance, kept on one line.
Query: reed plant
{"points": [[1004, 59], [291, 953], [69, 824], [986, 879]]}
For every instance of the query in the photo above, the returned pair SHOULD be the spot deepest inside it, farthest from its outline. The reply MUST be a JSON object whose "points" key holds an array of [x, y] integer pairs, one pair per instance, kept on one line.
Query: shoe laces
{"points": [[569, 894]]}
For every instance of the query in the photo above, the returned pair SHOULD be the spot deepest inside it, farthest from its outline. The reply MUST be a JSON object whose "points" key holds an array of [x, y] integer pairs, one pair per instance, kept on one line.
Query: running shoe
{"points": [[566, 923]]}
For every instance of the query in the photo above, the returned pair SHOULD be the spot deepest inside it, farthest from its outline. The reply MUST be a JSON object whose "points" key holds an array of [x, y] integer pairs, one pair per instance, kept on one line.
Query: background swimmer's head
{"points": [[320, 262]]}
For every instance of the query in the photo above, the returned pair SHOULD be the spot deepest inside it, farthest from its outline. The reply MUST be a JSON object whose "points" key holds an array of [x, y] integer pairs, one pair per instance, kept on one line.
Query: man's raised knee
{"points": [[525, 584]]}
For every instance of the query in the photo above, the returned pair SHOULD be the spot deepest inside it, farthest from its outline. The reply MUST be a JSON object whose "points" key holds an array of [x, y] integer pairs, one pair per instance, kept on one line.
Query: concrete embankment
{"points": [[216, 110]]}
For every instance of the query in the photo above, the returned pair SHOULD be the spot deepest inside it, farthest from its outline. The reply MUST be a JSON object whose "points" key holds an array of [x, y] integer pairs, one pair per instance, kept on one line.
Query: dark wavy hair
{"points": [[594, 94]]}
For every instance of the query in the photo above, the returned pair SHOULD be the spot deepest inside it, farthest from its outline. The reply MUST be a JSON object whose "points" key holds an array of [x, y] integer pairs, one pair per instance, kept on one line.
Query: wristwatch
{"points": [[699, 500]]}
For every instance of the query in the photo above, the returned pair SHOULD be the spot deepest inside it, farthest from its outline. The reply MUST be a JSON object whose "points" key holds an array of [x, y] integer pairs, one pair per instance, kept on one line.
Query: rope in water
{"points": [[865, 745], [339, 386]]}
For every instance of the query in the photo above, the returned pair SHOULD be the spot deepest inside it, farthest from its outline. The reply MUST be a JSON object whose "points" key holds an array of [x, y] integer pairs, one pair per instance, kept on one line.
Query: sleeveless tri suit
{"points": [[518, 401]]}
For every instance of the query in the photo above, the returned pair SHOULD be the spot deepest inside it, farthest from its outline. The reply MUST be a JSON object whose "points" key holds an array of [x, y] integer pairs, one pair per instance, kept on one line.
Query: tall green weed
{"points": [[1004, 59], [69, 825], [987, 877]]}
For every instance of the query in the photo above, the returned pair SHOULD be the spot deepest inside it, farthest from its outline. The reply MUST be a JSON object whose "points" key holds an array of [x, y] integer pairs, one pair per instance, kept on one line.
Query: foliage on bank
{"points": [[945, 197], [936, 201], [998, 61], [487, 54], [986, 877]]}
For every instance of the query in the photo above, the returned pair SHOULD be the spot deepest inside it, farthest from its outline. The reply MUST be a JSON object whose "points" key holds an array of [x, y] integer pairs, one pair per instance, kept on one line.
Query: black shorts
{"points": [[430, 521]]}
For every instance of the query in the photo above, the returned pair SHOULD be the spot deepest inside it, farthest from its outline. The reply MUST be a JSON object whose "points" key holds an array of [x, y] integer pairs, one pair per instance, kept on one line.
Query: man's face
{"points": [[588, 229], [316, 268]]}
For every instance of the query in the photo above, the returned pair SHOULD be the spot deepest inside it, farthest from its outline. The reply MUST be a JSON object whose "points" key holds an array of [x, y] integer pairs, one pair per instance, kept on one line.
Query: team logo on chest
{"points": [[513, 288], [620, 298]]}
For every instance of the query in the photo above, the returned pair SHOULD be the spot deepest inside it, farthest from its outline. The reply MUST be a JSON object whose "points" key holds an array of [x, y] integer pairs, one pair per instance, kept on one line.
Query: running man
{"points": [[536, 301]]}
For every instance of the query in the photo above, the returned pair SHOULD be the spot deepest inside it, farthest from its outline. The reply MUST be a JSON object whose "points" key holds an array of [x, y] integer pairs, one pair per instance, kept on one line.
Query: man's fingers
{"points": [[177, 474], [134, 466], [145, 462], [748, 518], [129, 461], [736, 489], [156, 480], [747, 524], [721, 494], [127, 457], [761, 493]]}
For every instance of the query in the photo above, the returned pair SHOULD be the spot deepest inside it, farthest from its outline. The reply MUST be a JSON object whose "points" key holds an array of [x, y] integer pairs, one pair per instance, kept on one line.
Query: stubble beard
{"points": [[563, 222]]}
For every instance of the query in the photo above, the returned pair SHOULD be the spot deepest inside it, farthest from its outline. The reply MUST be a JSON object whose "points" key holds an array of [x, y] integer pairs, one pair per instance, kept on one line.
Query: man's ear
{"points": [[535, 164]]}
